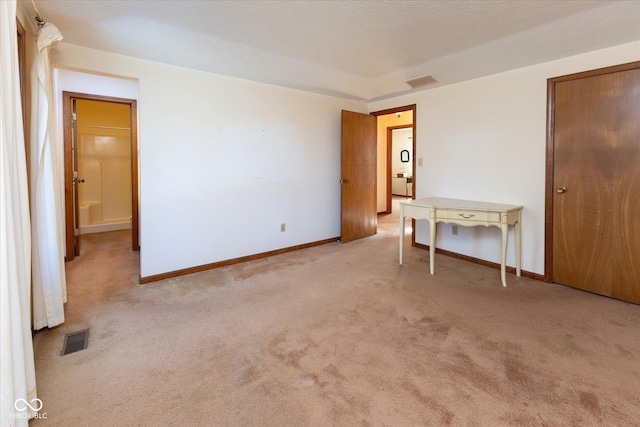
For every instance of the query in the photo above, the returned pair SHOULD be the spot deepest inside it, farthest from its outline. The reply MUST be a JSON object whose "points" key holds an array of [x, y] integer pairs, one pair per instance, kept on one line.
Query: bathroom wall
{"points": [[104, 163]]}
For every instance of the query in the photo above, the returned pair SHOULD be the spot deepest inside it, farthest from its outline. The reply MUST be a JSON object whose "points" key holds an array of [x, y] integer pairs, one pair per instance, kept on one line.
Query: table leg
{"points": [[518, 235], [401, 231], [503, 258], [432, 245]]}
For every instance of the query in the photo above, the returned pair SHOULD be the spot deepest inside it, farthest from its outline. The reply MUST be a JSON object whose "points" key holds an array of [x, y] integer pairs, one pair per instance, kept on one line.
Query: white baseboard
{"points": [[102, 228]]}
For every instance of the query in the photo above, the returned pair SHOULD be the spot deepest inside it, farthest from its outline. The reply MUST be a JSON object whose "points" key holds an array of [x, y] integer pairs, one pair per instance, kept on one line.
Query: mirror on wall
{"points": [[404, 156]]}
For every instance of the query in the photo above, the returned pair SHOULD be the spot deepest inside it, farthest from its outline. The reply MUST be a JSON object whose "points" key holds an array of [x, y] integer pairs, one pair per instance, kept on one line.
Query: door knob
{"points": [[344, 181], [80, 181], [561, 190]]}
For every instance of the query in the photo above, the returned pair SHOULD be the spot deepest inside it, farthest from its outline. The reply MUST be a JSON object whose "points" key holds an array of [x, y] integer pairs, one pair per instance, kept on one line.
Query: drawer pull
{"points": [[466, 216]]}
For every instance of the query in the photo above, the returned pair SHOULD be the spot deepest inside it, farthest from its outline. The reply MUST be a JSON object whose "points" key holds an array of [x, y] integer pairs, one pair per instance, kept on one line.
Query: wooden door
{"points": [[596, 182], [358, 213]]}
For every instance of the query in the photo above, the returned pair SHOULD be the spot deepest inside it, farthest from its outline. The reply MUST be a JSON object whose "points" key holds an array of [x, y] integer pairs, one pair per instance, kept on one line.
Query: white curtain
{"points": [[17, 374], [47, 212]]}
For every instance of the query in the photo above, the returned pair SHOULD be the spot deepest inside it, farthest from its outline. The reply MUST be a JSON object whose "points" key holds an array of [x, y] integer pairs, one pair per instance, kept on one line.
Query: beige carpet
{"points": [[335, 335]]}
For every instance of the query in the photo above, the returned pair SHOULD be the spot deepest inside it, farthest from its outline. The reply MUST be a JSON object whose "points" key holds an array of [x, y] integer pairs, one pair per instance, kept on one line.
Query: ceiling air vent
{"points": [[421, 81]]}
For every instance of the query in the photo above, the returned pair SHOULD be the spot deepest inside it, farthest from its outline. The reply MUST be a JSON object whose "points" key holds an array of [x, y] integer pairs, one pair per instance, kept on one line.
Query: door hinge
{"points": [[73, 116], [76, 232]]}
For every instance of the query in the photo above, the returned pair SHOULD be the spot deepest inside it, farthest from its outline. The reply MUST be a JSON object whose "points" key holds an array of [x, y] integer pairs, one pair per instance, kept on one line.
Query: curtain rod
{"points": [[39, 20]]}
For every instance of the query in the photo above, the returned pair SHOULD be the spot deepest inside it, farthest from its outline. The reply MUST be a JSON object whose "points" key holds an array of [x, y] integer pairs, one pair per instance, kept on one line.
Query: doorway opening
{"points": [[399, 159], [100, 167], [396, 165], [366, 169], [396, 162]]}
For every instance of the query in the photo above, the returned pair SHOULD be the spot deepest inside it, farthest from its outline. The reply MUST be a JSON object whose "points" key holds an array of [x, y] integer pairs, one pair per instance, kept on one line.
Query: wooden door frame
{"points": [[413, 109], [549, 179], [67, 98]]}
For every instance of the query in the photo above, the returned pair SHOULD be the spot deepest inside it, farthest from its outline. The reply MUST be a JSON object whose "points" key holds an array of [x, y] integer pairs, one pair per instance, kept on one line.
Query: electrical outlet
{"points": [[283, 227], [454, 230]]}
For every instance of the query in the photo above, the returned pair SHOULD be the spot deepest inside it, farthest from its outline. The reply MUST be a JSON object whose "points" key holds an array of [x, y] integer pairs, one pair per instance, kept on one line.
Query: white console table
{"points": [[467, 214]]}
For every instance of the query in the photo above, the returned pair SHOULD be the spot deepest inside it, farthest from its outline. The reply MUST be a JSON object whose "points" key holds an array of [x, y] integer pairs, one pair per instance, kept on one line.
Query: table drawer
{"points": [[471, 216]]}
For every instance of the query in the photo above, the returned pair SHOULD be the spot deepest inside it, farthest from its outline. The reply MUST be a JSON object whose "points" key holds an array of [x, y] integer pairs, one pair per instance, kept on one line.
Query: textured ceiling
{"points": [[355, 49]]}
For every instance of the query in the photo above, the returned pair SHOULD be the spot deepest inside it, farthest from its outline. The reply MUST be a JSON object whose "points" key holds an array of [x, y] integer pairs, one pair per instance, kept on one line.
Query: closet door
{"points": [[596, 181]]}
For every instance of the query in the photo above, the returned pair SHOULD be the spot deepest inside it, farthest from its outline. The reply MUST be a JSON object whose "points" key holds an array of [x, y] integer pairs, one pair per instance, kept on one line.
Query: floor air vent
{"points": [[75, 341]]}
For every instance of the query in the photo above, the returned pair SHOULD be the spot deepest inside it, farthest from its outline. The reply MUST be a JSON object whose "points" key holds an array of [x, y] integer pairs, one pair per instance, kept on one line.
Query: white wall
{"points": [[223, 162], [401, 140], [485, 139]]}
